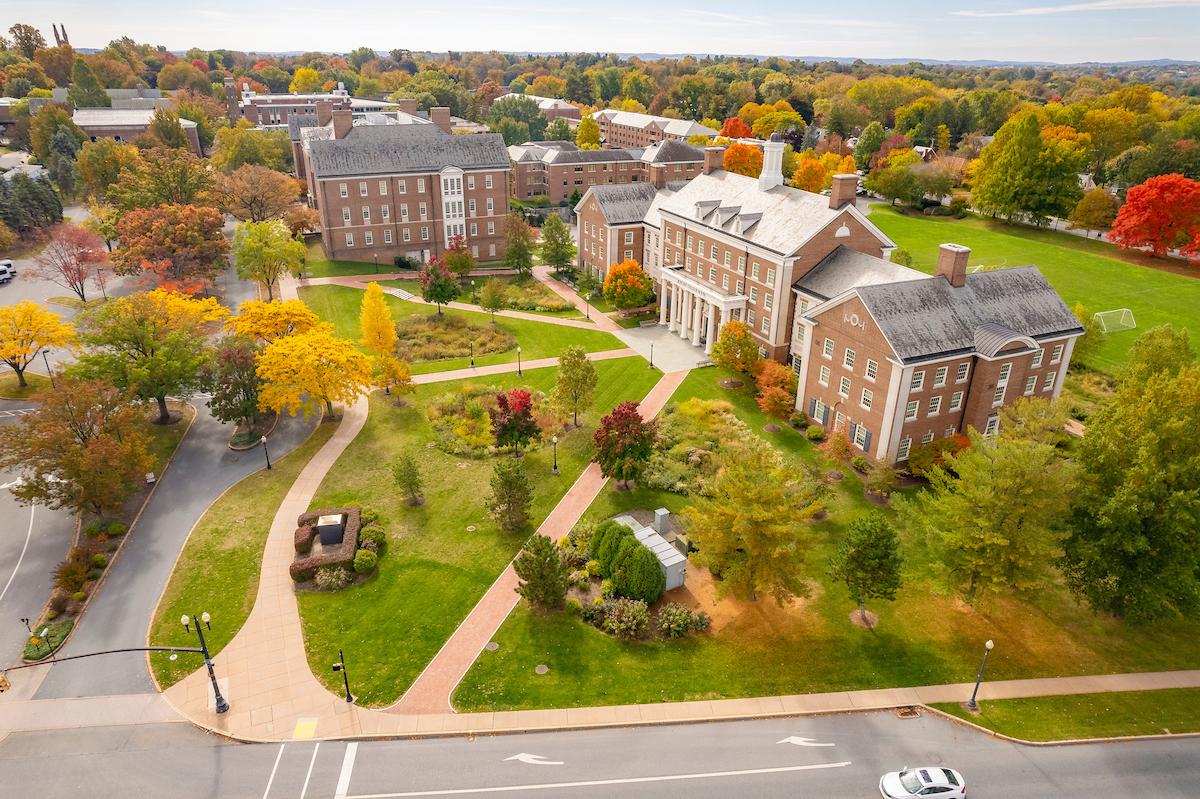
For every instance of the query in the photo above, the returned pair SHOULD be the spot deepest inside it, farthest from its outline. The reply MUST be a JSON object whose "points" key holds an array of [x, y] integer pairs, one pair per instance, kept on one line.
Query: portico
{"points": [[694, 309]]}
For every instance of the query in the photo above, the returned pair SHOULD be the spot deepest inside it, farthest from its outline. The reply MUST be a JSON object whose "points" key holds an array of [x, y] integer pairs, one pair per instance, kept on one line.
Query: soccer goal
{"points": [[1112, 321]]}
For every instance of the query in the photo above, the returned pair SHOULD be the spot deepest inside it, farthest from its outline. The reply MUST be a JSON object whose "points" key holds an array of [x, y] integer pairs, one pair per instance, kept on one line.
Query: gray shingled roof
{"points": [[383, 149], [844, 269], [929, 317], [298, 120], [671, 151], [623, 203]]}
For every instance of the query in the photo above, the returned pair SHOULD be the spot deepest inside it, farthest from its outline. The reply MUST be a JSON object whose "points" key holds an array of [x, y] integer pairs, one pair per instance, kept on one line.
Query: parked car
{"points": [[7, 271], [944, 783]]}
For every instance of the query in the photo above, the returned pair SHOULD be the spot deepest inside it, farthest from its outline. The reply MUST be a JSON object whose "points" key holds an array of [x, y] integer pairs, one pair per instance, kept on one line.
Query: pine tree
{"points": [[640, 576], [557, 249], [511, 495], [408, 478], [86, 91], [542, 573], [575, 383], [868, 561]]}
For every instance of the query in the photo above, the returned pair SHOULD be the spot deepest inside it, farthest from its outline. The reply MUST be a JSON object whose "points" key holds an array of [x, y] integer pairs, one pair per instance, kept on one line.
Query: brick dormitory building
{"points": [[888, 355], [558, 169], [384, 188]]}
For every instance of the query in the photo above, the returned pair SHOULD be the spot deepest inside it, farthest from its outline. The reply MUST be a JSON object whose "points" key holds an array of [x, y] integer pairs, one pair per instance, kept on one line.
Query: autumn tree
{"points": [[628, 286], [492, 297], [624, 442], [869, 142], [153, 344], [305, 80], [1161, 214], [1159, 349], [165, 130], [301, 219], [868, 561], [587, 134], [162, 176], [45, 124], [575, 383], [26, 39], [1096, 210], [179, 246], [438, 284], [458, 257], [27, 328], [542, 574], [304, 371], [511, 495], [743, 532], [512, 420], [231, 377], [518, 244], [244, 144], [735, 348], [558, 248], [101, 162], [84, 448], [809, 175], [70, 258], [1025, 175], [375, 322], [267, 321], [255, 193], [735, 128], [744, 159], [1087, 345], [265, 252], [776, 389]]}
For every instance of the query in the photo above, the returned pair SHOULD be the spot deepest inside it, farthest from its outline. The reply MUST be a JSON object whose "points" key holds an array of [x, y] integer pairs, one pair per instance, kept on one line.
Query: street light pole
{"points": [[49, 372], [222, 705], [263, 441], [651, 354], [341, 666], [972, 705], [554, 440], [472, 353], [519, 372]]}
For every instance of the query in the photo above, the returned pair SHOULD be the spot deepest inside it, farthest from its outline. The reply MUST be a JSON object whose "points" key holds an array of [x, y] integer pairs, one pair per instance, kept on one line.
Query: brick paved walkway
{"points": [[603, 322]]}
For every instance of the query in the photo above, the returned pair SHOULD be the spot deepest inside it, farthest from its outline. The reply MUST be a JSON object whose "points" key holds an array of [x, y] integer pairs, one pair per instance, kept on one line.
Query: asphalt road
{"points": [[731, 759]]}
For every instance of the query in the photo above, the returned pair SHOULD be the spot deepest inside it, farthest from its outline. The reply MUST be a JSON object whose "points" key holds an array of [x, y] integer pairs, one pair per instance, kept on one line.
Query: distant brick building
{"points": [[631, 129], [558, 169], [126, 124], [273, 110], [553, 107]]}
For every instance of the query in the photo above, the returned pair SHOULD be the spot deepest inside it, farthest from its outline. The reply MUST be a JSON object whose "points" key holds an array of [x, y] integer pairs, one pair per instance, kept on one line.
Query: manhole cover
{"points": [[542, 668], [491, 646], [471, 528]]}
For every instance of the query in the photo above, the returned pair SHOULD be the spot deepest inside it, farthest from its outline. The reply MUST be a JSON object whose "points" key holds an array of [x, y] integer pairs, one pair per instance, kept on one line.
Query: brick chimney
{"points": [[343, 121], [952, 263], [407, 104], [324, 112], [441, 117], [845, 189], [772, 168], [714, 159]]}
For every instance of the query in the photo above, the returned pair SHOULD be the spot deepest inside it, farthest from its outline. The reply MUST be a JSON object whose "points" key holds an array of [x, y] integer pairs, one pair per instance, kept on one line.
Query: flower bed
{"points": [[693, 437], [463, 424], [432, 337]]}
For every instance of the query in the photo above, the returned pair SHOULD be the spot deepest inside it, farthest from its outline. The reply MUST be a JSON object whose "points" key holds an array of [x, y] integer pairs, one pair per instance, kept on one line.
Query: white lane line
{"points": [[274, 768], [343, 783], [304, 789], [541, 786], [25, 546]]}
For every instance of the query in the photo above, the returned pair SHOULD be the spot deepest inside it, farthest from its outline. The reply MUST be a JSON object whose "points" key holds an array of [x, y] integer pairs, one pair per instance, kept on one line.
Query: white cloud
{"points": [[1070, 8]]}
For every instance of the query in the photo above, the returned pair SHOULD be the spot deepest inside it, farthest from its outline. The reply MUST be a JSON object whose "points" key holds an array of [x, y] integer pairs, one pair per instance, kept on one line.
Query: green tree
{"points": [[45, 123], [265, 252], [752, 530], [1023, 175], [27, 39], [559, 130], [557, 248], [511, 495], [408, 478], [86, 91], [166, 130], [575, 384], [100, 163], [519, 109], [869, 142], [491, 297], [587, 134], [735, 348], [162, 176], [868, 561], [518, 244], [1087, 345], [542, 573], [1160, 349], [980, 535], [1096, 211], [438, 284]]}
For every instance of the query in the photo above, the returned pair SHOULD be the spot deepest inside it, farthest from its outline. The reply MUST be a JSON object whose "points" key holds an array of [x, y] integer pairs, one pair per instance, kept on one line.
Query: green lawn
{"points": [[9, 388], [318, 265], [527, 288], [1082, 270], [1060, 718], [434, 569], [340, 305], [218, 570], [758, 650], [164, 438]]}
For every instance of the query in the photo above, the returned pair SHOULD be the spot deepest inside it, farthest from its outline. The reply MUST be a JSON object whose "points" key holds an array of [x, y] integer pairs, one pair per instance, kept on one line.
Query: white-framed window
{"points": [[679, 238], [725, 282], [474, 250], [474, 230], [491, 228], [346, 215], [423, 210], [1048, 383], [754, 294], [741, 263], [424, 232], [844, 387], [487, 181], [904, 448], [848, 358], [1005, 371], [490, 205], [728, 258], [993, 424], [404, 212], [911, 410], [960, 375], [939, 377], [768, 300], [823, 375], [383, 188], [1056, 354], [1030, 384], [627, 255], [1037, 358], [754, 270], [420, 185], [770, 277], [998, 397], [470, 181], [362, 188], [491, 250], [949, 431], [343, 191], [402, 185], [935, 406], [471, 207], [918, 381], [839, 420], [872, 369], [385, 211], [405, 235], [366, 212], [860, 436], [819, 410], [956, 400], [349, 239], [387, 236], [712, 274], [827, 348], [741, 286], [925, 439], [368, 238], [766, 323], [712, 253], [868, 397], [629, 237]]}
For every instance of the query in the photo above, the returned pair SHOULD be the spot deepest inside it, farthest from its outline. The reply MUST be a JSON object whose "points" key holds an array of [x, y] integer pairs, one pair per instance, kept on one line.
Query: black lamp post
{"points": [[651, 354], [554, 441], [472, 353], [263, 441], [49, 371], [972, 705], [341, 666], [222, 705], [519, 372]]}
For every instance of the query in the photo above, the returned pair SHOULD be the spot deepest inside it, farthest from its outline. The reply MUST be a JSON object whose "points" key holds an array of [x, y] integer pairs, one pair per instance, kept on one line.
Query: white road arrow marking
{"points": [[796, 741], [533, 760], [14, 484]]}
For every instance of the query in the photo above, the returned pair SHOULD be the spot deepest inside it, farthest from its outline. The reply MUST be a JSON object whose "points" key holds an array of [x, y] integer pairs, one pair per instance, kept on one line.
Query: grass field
{"points": [[1082, 270], [340, 305], [527, 289], [219, 567], [9, 388], [434, 569], [1061, 718], [758, 649], [318, 265]]}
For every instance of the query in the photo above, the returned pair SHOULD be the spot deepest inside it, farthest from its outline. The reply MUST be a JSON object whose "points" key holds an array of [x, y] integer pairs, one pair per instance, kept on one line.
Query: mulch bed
{"points": [[729, 382]]}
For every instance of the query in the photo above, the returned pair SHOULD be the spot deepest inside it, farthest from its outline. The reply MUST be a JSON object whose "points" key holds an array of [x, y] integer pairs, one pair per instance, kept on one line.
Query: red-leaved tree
{"points": [[744, 159], [512, 420], [735, 128], [1162, 214], [70, 258], [624, 442], [776, 389], [180, 247]]}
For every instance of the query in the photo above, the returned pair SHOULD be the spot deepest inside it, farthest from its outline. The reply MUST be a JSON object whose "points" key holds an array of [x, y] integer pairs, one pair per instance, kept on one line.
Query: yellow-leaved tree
{"points": [[302, 371], [267, 321], [379, 336], [25, 329]]}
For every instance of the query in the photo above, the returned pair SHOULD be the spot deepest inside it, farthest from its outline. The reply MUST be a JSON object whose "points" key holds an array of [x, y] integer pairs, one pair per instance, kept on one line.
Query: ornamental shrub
{"points": [[674, 621], [860, 463], [364, 561], [641, 577], [372, 538], [625, 618], [592, 567], [815, 432], [607, 588], [628, 546], [71, 574], [332, 578], [610, 544], [701, 622], [99, 560], [574, 607], [79, 596]]}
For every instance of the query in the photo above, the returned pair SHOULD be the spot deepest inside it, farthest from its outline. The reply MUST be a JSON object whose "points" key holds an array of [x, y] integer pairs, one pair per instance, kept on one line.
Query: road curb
{"points": [[1065, 741]]}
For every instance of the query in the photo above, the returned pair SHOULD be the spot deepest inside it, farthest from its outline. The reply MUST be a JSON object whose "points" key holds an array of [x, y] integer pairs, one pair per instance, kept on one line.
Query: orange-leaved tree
{"points": [[776, 389], [809, 175], [183, 246], [735, 348], [1162, 214], [735, 128], [628, 286], [744, 159]]}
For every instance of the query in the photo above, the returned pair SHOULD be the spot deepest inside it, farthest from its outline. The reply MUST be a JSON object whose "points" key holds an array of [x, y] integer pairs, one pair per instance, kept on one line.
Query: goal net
{"points": [[1112, 321]]}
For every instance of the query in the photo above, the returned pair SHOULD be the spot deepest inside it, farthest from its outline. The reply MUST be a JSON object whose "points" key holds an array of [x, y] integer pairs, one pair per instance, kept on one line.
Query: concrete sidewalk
{"points": [[504, 368]]}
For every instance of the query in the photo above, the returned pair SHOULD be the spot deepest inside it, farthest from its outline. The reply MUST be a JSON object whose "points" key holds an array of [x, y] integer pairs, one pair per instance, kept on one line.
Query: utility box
{"points": [[331, 529], [662, 521]]}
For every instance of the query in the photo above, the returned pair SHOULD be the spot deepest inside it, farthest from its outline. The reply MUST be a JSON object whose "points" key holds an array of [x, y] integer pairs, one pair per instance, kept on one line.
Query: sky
{"points": [[1012, 30]]}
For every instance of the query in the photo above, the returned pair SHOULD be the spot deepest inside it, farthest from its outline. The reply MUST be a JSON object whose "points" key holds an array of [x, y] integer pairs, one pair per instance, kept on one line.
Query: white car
{"points": [[944, 783], [7, 271]]}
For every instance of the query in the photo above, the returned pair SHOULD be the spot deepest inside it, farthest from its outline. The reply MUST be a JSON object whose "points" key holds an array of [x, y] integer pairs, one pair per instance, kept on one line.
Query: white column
{"points": [[663, 290], [712, 329], [675, 300], [697, 321], [685, 309]]}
